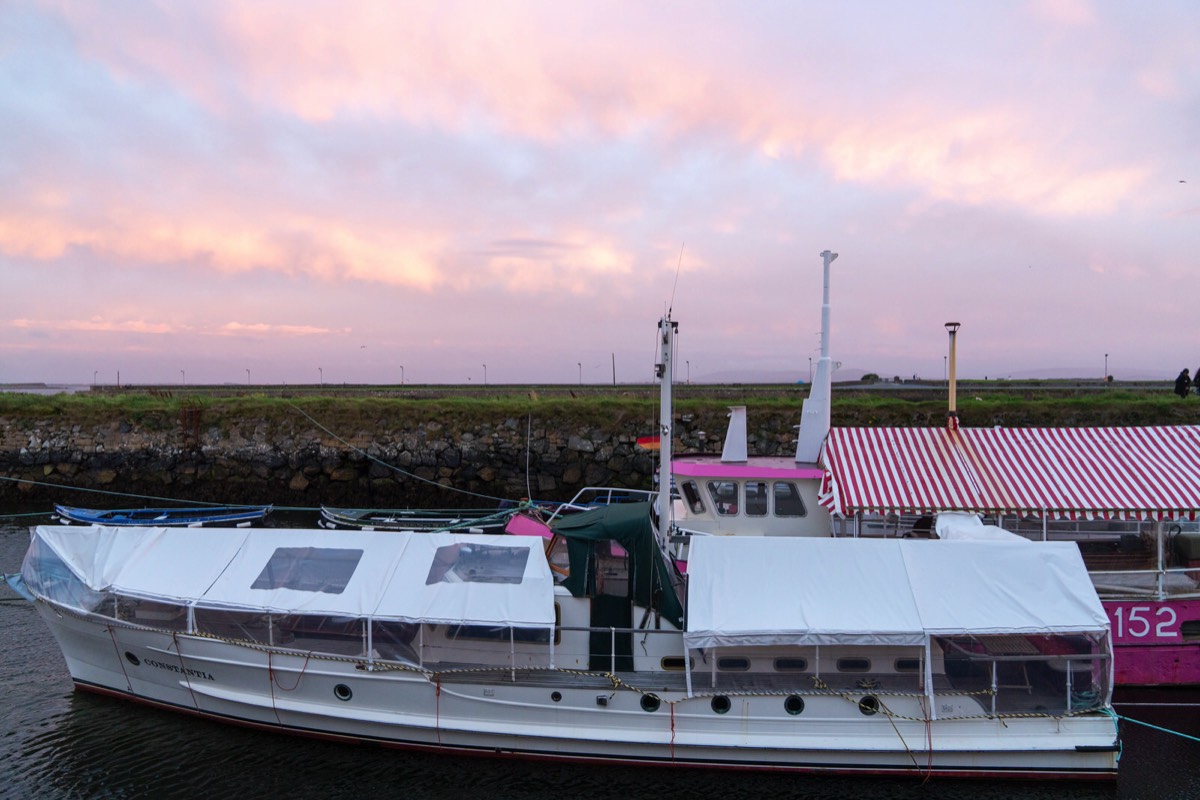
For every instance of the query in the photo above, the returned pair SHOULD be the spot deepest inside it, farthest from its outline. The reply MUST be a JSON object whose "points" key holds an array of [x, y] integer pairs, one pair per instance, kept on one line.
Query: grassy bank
{"points": [[980, 404]]}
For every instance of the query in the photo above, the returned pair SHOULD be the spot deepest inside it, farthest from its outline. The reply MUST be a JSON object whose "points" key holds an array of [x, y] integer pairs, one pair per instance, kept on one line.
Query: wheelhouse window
{"points": [[756, 498], [691, 494], [467, 562], [724, 496], [787, 500], [309, 569]]}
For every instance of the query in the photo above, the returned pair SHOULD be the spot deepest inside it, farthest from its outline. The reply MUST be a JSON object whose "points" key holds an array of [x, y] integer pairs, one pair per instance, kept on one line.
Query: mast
{"points": [[814, 414], [665, 371]]}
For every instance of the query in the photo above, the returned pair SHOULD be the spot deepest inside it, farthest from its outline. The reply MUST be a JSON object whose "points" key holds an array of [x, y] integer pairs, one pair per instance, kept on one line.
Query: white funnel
{"points": [[814, 414], [735, 436]]}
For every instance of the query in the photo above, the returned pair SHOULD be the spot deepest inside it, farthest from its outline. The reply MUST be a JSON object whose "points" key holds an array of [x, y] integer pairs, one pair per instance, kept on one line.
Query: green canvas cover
{"points": [[629, 525]]}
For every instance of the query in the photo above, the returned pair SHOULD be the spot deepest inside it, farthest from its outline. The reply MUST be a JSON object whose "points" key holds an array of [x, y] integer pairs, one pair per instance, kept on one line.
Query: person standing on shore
{"points": [[1183, 384]]}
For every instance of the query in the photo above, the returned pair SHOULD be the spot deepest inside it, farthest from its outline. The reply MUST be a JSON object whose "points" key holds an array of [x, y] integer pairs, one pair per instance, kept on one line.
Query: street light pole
{"points": [[485, 374], [401, 374], [95, 372], [1106, 369], [689, 371], [183, 377], [321, 375], [580, 365], [951, 377], [247, 376]]}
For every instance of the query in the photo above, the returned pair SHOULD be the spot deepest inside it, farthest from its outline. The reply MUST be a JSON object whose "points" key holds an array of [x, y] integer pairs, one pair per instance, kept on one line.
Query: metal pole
{"points": [[952, 378]]}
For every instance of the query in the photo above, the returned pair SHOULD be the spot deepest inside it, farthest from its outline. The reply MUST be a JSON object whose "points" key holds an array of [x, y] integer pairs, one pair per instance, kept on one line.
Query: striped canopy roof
{"points": [[1144, 473]]}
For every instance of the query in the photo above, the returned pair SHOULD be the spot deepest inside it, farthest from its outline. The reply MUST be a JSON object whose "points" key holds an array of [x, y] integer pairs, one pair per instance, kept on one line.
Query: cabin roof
{"points": [[1139, 473], [813, 591], [417, 577]]}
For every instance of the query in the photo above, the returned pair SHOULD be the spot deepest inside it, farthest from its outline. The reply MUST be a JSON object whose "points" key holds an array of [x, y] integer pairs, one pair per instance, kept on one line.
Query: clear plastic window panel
{"points": [[478, 563], [309, 569]]}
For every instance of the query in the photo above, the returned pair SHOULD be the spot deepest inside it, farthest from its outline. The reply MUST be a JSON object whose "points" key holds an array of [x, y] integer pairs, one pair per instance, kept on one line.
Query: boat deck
{"points": [[1017, 692]]}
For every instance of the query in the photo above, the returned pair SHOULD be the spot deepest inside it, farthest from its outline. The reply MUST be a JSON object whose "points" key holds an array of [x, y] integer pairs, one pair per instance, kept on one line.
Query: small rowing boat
{"points": [[186, 517], [474, 520]]}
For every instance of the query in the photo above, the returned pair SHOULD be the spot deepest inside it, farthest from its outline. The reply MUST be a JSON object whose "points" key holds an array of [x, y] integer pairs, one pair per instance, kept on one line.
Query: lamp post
{"points": [[247, 376], [95, 372], [1106, 369], [951, 378], [182, 378], [580, 365], [485, 374], [689, 371], [321, 375], [401, 374]]}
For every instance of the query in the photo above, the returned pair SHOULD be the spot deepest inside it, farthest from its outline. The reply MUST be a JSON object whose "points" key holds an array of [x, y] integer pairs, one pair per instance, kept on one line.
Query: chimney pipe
{"points": [[952, 379]]}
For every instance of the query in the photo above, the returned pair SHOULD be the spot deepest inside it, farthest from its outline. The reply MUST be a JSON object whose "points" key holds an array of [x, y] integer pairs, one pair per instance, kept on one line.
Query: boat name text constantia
{"points": [[191, 673]]}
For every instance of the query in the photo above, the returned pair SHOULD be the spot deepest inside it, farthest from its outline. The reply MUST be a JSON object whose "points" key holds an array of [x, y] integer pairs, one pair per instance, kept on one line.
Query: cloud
{"points": [[261, 328], [100, 325]]}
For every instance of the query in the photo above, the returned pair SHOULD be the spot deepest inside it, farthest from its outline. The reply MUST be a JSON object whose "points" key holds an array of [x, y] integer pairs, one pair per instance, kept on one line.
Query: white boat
{"points": [[813, 654], [881, 657]]}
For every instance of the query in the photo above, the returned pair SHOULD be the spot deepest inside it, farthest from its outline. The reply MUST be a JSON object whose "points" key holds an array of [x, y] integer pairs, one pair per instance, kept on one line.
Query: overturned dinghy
{"points": [[982, 659]]}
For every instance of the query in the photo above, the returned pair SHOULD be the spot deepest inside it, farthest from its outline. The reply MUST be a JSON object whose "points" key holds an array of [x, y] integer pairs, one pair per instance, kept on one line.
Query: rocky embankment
{"points": [[293, 462]]}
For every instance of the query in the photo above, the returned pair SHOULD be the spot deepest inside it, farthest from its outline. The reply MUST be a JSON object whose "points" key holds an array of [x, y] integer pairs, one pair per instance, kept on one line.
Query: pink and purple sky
{"points": [[295, 191]]}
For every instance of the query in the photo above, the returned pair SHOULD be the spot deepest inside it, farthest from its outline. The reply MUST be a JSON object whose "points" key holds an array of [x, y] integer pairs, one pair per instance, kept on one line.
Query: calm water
{"points": [[57, 744]]}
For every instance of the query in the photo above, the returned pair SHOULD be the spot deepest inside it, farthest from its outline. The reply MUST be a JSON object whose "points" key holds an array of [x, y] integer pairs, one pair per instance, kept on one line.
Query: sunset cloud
{"points": [[471, 181]]}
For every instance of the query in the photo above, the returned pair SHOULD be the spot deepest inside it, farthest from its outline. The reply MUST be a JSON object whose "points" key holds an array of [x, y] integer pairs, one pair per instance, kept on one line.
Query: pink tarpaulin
{"points": [[1148, 473]]}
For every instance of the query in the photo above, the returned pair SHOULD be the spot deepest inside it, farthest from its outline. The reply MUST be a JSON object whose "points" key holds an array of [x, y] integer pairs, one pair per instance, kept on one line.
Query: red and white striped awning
{"points": [[1140, 473]]}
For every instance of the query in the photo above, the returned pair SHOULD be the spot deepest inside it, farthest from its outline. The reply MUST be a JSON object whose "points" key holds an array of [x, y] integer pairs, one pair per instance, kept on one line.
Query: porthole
{"points": [[794, 705], [721, 704], [854, 665], [342, 692], [556, 696], [132, 659], [791, 664], [733, 664], [907, 664], [650, 702], [869, 705], [674, 663]]}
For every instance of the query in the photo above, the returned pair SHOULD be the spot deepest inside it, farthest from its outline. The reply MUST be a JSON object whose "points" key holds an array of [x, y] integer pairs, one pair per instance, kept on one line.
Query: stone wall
{"points": [[291, 462]]}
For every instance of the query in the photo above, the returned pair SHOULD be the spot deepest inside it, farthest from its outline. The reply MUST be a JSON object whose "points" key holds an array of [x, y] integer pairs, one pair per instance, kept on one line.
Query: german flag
{"points": [[648, 442]]}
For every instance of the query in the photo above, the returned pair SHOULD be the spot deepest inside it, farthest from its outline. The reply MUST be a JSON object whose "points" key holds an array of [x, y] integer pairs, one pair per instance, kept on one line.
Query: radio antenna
{"points": [[671, 307]]}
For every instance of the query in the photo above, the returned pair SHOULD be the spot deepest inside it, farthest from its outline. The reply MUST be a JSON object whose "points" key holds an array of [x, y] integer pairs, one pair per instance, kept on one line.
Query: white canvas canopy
{"points": [[415, 577], [805, 591], [965, 525]]}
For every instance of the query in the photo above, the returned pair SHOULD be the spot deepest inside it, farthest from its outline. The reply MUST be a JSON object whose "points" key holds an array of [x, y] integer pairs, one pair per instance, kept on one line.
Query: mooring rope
{"points": [[112, 493], [386, 465], [1180, 734]]}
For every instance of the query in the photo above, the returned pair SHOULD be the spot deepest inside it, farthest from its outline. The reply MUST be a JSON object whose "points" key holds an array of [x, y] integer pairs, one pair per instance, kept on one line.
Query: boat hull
{"points": [[562, 715], [1151, 647], [224, 517]]}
